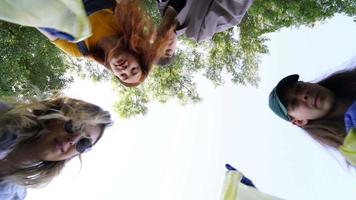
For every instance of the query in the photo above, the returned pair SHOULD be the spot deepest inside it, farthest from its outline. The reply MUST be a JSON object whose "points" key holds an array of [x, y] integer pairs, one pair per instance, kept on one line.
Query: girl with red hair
{"points": [[122, 40]]}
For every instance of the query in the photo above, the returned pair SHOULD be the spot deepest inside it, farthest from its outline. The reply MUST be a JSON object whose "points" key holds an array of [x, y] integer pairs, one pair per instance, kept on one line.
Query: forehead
{"points": [[129, 55], [292, 89], [287, 91]]}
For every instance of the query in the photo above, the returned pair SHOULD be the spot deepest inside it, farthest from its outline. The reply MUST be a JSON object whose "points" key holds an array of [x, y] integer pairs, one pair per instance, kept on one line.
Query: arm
{"points": [[244, 179], [68, 47], [49, 36]]}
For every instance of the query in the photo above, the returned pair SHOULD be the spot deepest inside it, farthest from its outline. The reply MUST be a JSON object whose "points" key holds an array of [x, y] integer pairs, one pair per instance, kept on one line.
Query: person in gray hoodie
{"points": [[197, 19]]}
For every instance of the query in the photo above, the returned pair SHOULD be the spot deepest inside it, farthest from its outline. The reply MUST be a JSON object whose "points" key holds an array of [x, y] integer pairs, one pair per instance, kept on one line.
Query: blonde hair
{"points": [[27, 120]]}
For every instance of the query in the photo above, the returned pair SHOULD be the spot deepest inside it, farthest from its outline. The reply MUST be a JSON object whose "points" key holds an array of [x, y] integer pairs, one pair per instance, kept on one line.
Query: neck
{"points": [[340, 107]]}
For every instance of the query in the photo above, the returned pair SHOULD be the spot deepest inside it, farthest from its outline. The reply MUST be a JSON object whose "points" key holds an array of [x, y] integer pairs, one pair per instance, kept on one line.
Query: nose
{"points": [[72, 139], [169, 52]]}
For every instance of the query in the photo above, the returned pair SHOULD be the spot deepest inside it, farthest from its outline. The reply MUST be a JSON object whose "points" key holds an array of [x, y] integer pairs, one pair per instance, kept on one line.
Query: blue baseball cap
{"points": [[275, 102]]}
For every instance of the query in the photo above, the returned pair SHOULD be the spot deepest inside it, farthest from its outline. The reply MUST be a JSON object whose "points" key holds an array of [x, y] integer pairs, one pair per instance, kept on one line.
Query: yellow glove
{"points": [[235, 190], [348, 148]]}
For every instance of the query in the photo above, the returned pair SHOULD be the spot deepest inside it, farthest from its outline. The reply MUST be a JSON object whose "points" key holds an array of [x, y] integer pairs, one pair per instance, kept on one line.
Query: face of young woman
{"points": [[62, 140], [126, 67], [171, 47], [308, 101]]}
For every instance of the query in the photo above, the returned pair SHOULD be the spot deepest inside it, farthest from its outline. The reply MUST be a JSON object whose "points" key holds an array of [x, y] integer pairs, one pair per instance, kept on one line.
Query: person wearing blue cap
{"points": [[198, 20], [326, 110]]}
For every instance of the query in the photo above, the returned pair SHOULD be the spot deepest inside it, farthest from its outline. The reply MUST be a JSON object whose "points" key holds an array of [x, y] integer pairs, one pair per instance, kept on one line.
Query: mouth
{"points": [[316, 97], [59, 145]]}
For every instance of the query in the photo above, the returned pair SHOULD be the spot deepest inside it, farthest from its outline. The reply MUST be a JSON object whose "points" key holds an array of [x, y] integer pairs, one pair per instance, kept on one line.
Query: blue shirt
{"points": [[8, 190], [12, 191], [350, 117]]}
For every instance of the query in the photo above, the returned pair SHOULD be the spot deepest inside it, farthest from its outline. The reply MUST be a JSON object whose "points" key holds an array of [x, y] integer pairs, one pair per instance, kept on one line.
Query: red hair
{"points": [[137, 34]]}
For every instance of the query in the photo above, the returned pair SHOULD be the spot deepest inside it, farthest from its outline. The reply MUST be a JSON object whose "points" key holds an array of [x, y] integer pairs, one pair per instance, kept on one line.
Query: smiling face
{"points": [[126, 67], [62, 142], [307, 101]]}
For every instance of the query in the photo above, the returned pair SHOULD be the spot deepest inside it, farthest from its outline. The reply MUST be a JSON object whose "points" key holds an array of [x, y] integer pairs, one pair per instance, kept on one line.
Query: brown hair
{"points": [[331, 132]]}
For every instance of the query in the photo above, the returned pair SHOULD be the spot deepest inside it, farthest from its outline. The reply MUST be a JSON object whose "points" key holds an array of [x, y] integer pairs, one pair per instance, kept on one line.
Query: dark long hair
{"points": [[331, 131]]}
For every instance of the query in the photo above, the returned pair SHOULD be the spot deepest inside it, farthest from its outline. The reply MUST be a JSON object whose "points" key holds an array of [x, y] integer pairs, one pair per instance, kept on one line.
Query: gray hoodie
{"points": [[201, 19]]}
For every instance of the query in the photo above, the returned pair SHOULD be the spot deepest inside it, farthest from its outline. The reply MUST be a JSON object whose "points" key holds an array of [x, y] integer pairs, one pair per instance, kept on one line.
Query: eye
{"points": [[72, 128], [68, 127], [298, 87], [134, 70], [84, 145]]}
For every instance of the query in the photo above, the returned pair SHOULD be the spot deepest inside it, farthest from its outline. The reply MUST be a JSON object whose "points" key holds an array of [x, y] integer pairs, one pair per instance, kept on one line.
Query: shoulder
{"points": [[7, 138], [3, 106], [12, 191], [68, 47], [350, 117], [352, 108]]}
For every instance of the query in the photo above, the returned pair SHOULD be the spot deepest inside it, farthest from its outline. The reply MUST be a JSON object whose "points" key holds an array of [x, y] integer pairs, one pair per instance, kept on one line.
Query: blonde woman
{"points": [[37, 139]]}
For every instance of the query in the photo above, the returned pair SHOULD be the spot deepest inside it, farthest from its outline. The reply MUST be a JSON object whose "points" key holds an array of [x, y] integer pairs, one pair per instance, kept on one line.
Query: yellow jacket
{"points": [[103, 24]]}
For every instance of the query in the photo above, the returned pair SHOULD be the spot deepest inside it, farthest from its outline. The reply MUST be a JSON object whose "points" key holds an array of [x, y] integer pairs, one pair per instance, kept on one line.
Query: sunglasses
{"points": [[84, 144]]}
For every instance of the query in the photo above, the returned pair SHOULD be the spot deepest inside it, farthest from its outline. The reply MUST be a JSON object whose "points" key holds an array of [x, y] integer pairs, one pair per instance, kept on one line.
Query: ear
{"points": [[299, 123]]}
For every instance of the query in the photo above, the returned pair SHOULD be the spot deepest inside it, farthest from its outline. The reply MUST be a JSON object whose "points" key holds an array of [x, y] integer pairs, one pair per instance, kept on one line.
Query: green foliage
{"points": [[132, 101], [269, 16], [87, 69], [151, 9], [163, 84], [28, 60]]}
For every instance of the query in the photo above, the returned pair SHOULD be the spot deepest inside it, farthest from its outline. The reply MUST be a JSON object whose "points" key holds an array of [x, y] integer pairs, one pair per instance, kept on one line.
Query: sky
{"points": [[178, 152]]}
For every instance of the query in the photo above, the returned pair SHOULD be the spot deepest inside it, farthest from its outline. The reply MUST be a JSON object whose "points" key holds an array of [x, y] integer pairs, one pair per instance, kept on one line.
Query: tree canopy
{"points": [[27, 60]]}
